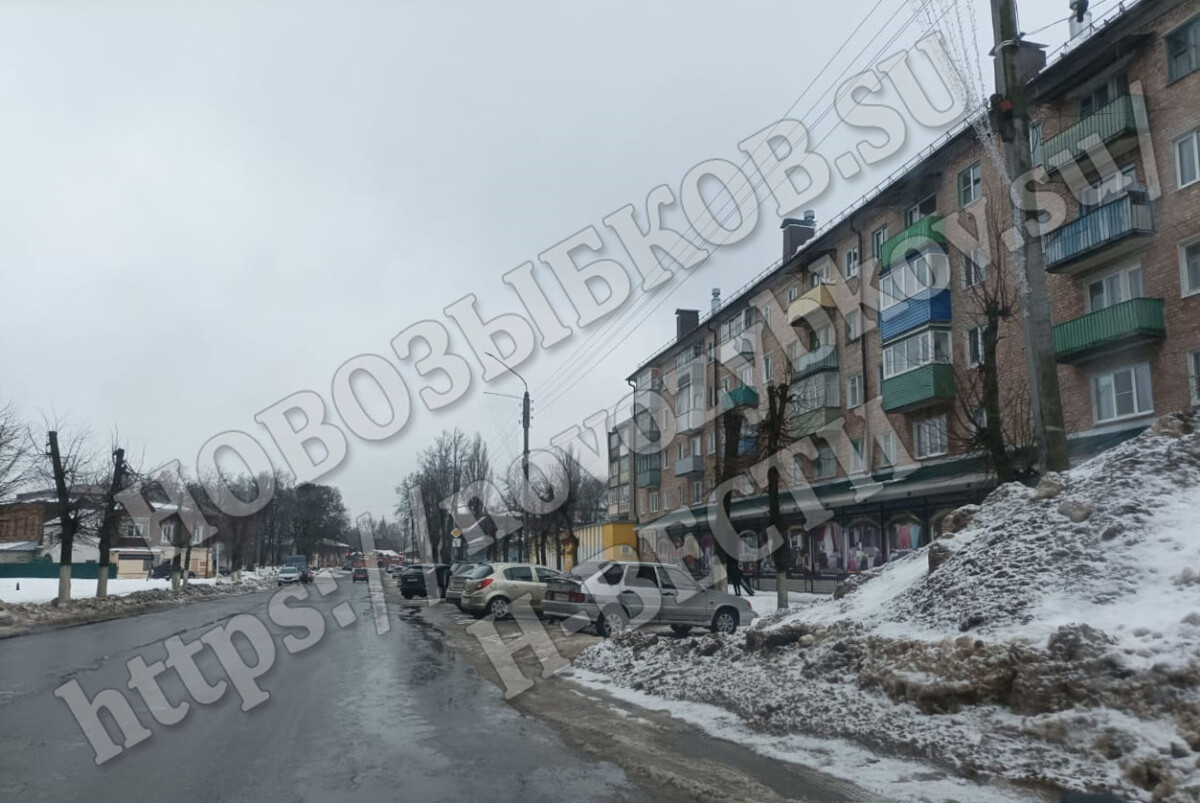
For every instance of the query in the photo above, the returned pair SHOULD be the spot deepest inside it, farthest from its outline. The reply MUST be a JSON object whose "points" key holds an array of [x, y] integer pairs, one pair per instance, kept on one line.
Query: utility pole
{"points": [[1012, 119], [523, 541], [66, 522], [109, 521]]}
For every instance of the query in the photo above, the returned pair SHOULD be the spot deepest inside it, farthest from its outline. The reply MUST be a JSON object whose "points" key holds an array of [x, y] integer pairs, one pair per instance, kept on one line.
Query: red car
{"points": [[359, 574]]}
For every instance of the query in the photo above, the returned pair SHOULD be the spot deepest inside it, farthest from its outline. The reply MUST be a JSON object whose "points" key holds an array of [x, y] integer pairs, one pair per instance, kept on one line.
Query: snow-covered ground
{"points": [[1057, 644], [44, 589]]}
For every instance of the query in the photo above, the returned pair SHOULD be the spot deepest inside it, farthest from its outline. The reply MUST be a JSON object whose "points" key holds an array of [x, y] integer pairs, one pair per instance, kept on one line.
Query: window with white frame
{"points": [[1103, 94], [793, 293], [679, 453], [930, 346], [975, 346], [654, 501], [920, 211], [1121, 393], [819, 275], [816, 391], [198, 534], [666, 499], [826, 463], [766, 315], [970, 185], [168, 532], [683, 403], [768, 366], [1194, 375], [708, 349], [1115, 288], [917, 274], [857, 461], [853, 325], [793, 353], [930, 437], [1187, 159], [974, 267], [887, 448], [878, 238], [697, 491], [1183, 50], [712, 441], [1189, 268], [851, 262], [854, 391], [746, 375], [666, 459], [695, 445]]}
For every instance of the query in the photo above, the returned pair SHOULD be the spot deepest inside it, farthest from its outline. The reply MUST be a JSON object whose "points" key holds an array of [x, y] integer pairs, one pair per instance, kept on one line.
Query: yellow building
{"points": [[613, 541]]}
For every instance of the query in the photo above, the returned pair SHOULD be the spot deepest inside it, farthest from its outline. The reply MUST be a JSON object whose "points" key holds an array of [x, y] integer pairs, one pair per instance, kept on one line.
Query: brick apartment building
{"points": [[878, 323]]}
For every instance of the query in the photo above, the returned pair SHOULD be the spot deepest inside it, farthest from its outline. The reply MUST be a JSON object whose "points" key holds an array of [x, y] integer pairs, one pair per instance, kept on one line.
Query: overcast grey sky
{"points": [[206, 207]]}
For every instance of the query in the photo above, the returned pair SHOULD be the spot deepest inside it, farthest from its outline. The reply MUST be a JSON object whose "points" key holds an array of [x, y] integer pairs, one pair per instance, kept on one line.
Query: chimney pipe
{"points": [[685, 321], [797, 232], [716, 300]]}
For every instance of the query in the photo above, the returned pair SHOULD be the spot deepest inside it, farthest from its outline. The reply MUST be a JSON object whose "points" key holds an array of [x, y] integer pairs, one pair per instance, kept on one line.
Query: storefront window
{"points": [[827, 548], [904, 535], [865, 547]]}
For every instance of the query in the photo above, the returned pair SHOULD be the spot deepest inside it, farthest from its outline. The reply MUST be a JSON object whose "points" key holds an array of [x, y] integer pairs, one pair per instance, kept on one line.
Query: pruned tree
{"points": [[70, 467], [774, 435]]}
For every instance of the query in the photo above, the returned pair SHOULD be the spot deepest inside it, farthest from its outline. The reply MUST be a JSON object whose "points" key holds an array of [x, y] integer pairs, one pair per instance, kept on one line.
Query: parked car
{"points": [[359, 574], [163, 571], [458, 581], [413, 579], [615, 594], [287, 575], [492, 588]]}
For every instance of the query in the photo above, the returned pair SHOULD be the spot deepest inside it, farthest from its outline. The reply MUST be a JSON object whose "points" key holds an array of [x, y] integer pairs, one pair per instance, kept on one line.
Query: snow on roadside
{"points": [[1058, 643], [44, 589]]}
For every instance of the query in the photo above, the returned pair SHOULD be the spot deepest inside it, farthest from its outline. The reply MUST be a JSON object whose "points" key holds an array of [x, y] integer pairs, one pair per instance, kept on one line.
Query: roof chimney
{"points": [[716, 300], [685, 321], [797, 232]]}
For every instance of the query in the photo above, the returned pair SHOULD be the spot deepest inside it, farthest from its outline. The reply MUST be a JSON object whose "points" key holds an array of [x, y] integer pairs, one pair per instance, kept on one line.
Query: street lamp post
{"points": [[521, 544]]}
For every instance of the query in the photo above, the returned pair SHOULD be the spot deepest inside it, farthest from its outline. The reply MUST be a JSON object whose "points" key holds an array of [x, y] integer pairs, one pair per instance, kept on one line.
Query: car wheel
{"points": [[725, 622], [499, 608], [681, 630], [280, 583], [612, 622], [407, 594]]}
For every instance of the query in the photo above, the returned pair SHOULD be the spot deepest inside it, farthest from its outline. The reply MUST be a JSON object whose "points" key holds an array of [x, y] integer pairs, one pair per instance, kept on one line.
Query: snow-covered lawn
{"points": [[765, 604], [44, 589]]}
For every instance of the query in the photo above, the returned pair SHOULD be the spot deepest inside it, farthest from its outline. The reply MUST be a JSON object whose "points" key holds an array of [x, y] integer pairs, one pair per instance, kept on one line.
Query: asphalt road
{"points": [[356, 716]]}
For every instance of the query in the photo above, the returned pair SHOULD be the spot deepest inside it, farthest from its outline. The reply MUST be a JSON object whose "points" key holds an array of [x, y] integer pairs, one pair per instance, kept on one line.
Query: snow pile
{"points": [[1055, 644]]}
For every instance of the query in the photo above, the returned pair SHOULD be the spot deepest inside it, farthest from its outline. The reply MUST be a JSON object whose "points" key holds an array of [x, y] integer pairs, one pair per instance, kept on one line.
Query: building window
{"points": [[793, 353], [970, 185], [1122, 393], [887, 448], [857, 463], [920, 211], [878, 238], [666, 500], [712, 396], [974, 269], [919, 273], [826, 464], [1102, 95], [768, 365], [978, 420], [1189, 268], [1194, 376], [1187, 159], [1183, 50], [854, 391], [819, 276], [697, 491], [793, 293], [746, 375], [679, 455], [168, 532], [766, 315], [695, 446], [853, 325], [852, 262], [930, 346], [665, 459], [1116, 287], [712, 441], [975, 346], [198, 535], [929, 437], [654, 501], [815, 392]]}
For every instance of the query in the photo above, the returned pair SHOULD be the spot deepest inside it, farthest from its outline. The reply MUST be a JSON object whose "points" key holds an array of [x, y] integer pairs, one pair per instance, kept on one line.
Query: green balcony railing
{"points": [[1107, 123], [812, 421], [744, 396], [919, 236], [916, 388], [823, 358], [647, 477], [1098, 228], [1118, 325]]}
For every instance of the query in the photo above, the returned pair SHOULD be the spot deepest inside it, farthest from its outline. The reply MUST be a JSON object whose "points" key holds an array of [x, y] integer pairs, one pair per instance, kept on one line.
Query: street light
{"points": [[525, 450]]}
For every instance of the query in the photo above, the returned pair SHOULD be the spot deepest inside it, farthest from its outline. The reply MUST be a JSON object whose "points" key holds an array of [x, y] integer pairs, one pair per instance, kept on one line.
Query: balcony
{"points": [[813, 421], [927, 306], [692, 374], [689, 421], [689, 465], [823, 358], [747, 446], [1138, 320], [745, 396], [920, 236], [1106, 232], [918, 388], [818, 298], [648, 477], [1108, 124]]}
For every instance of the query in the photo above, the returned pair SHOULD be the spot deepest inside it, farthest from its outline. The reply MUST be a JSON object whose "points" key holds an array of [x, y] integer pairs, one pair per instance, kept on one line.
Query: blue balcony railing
{"points": [[1097, 229]]}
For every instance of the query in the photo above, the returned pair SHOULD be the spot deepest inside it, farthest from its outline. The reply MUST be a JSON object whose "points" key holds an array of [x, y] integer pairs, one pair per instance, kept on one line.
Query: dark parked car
{"points": [[163, 571], [359, 574], [413, 580]]}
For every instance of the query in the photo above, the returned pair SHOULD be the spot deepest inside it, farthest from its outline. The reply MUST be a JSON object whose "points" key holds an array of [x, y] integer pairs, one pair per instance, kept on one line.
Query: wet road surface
{"points": [[356, 716]]}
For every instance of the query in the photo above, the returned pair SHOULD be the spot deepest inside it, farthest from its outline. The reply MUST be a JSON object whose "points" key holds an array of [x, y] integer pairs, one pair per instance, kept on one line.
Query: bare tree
{"points": [[69, 465], [15, 465]]}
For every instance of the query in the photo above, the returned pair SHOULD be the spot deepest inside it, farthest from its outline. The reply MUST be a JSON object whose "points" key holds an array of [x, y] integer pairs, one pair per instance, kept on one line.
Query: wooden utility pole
{"points": [[66, 521], [109, 522], [1012, 119]]}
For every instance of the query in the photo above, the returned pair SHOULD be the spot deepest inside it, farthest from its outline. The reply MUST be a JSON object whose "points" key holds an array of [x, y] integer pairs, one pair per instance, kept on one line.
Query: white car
{"points": [[288, 574]]}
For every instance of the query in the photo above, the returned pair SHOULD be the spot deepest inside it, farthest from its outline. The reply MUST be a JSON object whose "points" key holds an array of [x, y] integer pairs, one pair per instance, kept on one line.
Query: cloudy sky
{"points": [[207, 207]]}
